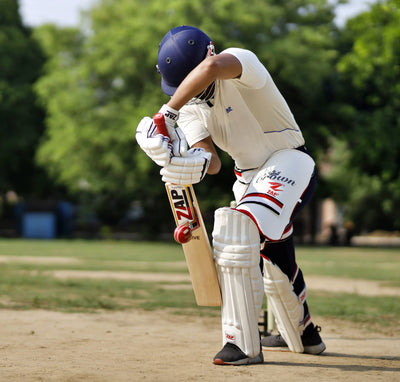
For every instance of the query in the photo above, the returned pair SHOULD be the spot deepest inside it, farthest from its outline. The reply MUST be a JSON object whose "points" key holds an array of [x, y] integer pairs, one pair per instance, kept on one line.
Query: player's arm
{"points": [[220, 67], [192, 168]]}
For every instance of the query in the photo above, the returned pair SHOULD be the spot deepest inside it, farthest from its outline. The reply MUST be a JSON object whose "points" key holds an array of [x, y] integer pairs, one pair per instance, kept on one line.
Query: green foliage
{"points": [[369, 71], [98, 85], [97, 82], [94, 90], [21, 121]]}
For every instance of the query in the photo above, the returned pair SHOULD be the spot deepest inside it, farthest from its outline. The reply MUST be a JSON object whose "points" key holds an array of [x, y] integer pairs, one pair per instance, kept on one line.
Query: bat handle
{"points": [[159, 121]]}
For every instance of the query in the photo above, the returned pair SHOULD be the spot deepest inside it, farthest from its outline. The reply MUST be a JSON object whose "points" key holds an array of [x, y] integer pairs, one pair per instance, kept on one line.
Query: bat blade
{"points": [[198, 252]]}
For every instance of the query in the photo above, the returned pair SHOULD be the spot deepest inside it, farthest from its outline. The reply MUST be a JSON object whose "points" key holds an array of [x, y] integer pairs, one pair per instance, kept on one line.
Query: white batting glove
{"points": [[159, 148], [179, 144], [155, 145], [188, 169]]}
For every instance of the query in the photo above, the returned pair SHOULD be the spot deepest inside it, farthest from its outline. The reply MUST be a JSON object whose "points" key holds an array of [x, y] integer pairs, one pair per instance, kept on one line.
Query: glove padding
{"points": [[159, 148], [188, 169]]}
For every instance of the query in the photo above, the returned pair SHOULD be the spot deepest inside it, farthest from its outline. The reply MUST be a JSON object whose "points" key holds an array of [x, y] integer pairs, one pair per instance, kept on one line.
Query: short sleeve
{"points": [[254, 74], [193, 123]]}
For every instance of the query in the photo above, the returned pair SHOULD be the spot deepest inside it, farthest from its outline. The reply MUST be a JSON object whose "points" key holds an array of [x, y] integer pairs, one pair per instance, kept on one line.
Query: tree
{"points": [[369, 71], [21, 120], [100, 83]]}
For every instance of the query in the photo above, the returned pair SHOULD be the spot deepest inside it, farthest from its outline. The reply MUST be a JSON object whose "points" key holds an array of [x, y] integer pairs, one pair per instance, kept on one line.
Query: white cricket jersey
{"points": [[250, 119]]}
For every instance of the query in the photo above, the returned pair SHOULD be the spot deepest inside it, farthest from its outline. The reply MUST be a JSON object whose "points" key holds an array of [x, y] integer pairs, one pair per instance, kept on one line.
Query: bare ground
{"points": [[157, 346], [160, 346]]}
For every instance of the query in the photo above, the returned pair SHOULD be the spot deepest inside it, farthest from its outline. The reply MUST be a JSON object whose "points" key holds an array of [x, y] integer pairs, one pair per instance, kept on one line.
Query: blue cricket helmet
{"points": [[180, 51]]}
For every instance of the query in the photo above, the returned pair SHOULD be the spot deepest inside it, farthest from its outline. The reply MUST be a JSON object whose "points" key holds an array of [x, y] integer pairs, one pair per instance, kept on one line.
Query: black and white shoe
{"points": [[312, 341], [232, 355]]}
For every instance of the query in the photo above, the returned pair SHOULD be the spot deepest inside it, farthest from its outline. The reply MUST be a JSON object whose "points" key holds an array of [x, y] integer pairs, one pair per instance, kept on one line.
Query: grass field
{"points": [[28, 281]]}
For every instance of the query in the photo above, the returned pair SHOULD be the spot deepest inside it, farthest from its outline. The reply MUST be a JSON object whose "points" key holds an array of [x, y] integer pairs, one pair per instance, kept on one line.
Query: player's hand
{"points": [[159, 148], [188, 169], [155, 145]]}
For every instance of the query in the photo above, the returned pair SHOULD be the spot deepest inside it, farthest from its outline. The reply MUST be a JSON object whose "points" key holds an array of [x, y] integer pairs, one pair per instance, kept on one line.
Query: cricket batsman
{"points": [[230, 100]]}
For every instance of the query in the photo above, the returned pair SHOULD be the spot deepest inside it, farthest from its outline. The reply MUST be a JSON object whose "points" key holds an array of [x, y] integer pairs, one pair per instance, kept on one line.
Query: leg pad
{"points": [[285, 304], [236, 243]]}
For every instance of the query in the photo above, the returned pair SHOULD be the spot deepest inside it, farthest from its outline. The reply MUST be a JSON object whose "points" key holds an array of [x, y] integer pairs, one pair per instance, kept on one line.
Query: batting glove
{"points": [[188, 169], [159, 148], [179, 144], [155, 145]]}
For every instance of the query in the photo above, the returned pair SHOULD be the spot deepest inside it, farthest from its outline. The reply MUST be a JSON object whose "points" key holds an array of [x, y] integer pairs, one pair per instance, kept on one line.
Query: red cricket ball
{"points": [[182, 234]]}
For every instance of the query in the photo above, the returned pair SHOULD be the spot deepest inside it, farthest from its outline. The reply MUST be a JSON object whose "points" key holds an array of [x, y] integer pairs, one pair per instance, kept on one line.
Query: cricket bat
{"points": [[197, 250]]}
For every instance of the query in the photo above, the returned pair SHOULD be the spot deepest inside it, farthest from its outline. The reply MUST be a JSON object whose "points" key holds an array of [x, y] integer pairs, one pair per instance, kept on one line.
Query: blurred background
{"points": [[76, 77]]}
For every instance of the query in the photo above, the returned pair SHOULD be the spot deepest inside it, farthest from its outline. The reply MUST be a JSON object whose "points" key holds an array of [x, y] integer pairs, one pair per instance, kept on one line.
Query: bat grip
{"points": [[159, 121]]}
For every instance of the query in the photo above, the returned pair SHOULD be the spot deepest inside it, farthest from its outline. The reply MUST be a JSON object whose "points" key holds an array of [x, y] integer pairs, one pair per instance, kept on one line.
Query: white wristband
{"points": [[171, 115]]}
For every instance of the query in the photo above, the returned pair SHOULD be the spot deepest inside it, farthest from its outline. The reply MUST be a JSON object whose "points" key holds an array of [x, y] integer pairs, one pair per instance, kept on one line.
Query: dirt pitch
{"points": [[130, 346], [157, 346]]}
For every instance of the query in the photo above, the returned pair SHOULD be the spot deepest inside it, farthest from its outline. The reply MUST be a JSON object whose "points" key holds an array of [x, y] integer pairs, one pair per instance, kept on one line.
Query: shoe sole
{"points": [[243, 361], [315, 349], [276, 348]]}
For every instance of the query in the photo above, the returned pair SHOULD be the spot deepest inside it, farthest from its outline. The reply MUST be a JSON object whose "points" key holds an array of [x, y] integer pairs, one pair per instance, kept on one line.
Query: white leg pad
{"points": [[236, 243], [285, 304]]}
